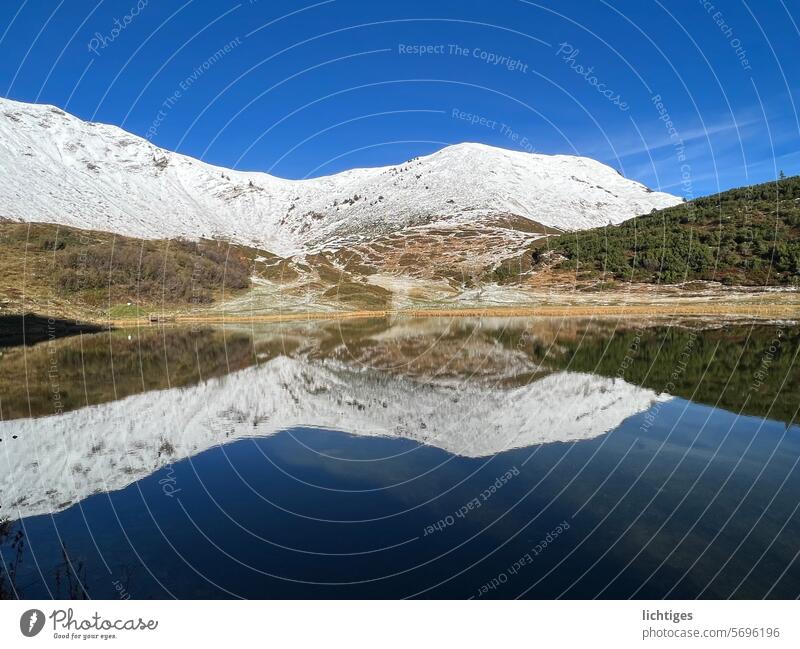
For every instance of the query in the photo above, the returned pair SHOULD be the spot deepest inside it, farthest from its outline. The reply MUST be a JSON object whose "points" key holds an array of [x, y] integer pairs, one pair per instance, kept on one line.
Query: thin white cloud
{"points": [[633, 147]]}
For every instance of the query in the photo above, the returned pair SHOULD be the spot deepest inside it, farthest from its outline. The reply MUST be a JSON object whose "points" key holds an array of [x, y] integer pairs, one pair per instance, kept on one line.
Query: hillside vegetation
{"points": [[45, 265], [748, 236]]}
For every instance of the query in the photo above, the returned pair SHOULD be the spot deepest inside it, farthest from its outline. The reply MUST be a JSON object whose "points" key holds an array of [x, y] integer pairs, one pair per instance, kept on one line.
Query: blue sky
{"points": [[690, 96]]}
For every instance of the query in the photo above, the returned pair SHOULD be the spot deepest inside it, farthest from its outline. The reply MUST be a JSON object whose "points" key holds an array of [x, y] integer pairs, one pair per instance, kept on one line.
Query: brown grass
{"points": [[787, 311]]}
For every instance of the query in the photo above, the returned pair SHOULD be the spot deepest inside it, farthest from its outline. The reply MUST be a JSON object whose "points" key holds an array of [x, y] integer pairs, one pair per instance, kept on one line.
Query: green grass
{"points": [[360, 296]]}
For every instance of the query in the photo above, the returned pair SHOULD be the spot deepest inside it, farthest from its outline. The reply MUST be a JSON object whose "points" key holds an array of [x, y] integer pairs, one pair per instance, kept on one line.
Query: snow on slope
{"points": [[57, 461], [58, 168]]}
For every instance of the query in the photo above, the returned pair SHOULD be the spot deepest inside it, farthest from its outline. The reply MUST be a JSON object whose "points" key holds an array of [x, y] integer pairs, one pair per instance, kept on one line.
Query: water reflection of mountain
{"points": [[95, 413], [457, 389], [717, 366]]}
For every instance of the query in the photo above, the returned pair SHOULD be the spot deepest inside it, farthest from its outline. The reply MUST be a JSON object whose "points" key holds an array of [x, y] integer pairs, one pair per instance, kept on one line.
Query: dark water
{"points": [[431, 458]]}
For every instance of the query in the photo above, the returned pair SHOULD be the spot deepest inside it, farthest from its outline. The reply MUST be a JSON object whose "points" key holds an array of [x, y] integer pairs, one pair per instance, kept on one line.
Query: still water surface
{"points": [[492, 458]]}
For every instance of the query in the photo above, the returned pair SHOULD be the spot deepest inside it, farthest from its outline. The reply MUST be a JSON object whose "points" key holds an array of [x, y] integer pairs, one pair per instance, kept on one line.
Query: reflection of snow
{"points": [[59, 460]]}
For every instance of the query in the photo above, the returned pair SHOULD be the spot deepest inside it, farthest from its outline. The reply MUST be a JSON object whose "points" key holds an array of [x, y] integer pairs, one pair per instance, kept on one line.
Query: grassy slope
{"points": [[80, 273], [95, 276], [748, 236], [745, 237]]}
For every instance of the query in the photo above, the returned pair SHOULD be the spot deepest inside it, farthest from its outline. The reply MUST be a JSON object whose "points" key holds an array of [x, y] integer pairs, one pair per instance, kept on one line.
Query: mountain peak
{"points": [[69, 171]]}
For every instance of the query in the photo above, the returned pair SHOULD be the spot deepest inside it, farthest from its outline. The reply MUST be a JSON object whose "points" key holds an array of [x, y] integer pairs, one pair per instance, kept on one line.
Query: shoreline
{"points": [[752, 311]]}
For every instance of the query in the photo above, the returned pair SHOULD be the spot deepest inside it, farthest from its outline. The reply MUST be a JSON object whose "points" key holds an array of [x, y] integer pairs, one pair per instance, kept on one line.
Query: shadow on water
{"points": [[30, 329]]}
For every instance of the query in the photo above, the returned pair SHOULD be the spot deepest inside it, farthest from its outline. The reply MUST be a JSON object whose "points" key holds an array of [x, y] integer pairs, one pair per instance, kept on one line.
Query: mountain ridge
{"points": [[97, 176]]}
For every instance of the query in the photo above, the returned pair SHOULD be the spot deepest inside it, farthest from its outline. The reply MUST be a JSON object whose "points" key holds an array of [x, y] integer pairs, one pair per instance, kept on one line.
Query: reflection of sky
{"points": [[321, 506]]}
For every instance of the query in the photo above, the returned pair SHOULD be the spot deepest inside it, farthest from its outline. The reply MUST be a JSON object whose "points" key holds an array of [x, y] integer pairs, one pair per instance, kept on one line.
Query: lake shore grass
{"points": [[665, 310]]}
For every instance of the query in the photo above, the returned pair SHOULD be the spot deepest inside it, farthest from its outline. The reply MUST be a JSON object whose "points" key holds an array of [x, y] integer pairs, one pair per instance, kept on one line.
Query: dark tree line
{"points": [[746, 236]]}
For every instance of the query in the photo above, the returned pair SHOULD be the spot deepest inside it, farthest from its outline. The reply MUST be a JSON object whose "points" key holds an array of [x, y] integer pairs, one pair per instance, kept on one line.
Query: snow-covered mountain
{"points": [[58, 168], [59, 460]]}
